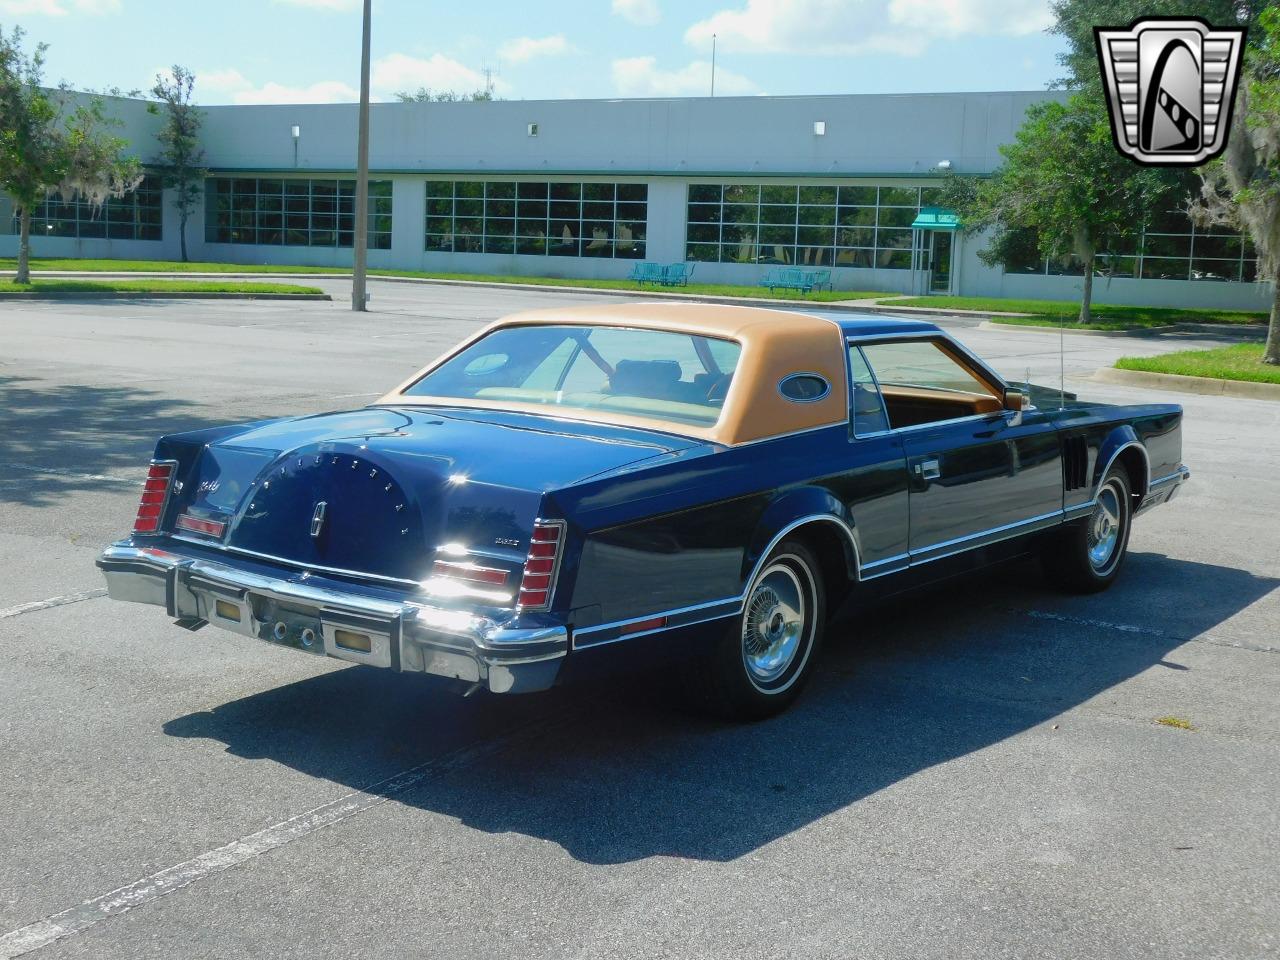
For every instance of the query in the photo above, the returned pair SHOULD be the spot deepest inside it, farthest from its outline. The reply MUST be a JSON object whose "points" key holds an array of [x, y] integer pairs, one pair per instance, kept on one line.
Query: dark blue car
{"points": [[573, 487]]}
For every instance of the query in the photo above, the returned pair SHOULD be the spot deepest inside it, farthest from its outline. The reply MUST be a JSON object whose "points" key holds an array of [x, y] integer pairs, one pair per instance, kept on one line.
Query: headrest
{"points": [[645, 378]]}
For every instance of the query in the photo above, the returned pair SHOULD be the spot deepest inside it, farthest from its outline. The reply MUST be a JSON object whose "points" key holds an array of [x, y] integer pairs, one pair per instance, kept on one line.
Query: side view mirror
{"points": [[1016, 400]]}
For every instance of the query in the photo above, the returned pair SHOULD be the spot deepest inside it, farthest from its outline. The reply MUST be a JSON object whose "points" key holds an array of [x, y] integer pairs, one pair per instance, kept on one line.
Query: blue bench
{"points": [[793, 278], [665, 275]]}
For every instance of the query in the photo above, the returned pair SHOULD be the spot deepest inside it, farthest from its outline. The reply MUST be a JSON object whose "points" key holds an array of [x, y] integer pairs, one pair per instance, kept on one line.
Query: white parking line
{"points": [[1215, 640], [81, 917], [75, 474], [7, 612]]}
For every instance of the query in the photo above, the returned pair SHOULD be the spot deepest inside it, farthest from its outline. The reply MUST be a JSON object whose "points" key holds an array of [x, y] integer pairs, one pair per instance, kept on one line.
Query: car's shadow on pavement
{"points": [[622, 774], [69, 435]]}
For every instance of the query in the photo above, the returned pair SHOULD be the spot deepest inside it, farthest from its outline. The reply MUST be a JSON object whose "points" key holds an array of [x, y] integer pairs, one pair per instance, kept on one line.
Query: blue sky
{"points": [[280, 51]]}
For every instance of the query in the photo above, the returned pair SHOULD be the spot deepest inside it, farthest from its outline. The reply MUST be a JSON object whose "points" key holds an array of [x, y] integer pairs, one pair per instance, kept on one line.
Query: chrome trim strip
{"points": [[805, 373], [1006, 532], [1119, 450], [355, 574], [897, 559], [675, 619], [1176, 475]]}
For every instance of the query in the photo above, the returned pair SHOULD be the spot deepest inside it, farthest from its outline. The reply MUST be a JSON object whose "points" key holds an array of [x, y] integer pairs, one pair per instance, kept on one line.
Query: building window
{"points": [[293, 213], [808, 225], [135, 216], [537, 218], [1171, 247]]}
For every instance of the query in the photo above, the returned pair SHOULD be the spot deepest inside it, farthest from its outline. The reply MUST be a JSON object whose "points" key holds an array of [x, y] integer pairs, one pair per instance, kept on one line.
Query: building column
{"points": [[667, 213], [408, 224]]}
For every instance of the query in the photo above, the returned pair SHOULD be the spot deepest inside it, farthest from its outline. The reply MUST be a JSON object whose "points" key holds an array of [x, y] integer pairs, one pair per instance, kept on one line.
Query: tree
{"points": [[1241, 188], [181, 160], [425, 95], [1062, 184], [48, 146]]}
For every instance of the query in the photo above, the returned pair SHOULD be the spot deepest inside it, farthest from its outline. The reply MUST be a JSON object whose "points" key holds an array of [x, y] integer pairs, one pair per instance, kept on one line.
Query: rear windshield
{"points": [[666, 376]]}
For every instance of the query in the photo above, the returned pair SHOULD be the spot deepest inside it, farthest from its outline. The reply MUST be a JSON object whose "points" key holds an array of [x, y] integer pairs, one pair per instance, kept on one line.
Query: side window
{"points": [[865, 406], [922, 383]]}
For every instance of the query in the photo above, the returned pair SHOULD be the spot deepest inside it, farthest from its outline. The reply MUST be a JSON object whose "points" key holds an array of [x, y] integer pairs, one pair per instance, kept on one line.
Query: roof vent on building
{"points": [[533, 129], [819, 128]]}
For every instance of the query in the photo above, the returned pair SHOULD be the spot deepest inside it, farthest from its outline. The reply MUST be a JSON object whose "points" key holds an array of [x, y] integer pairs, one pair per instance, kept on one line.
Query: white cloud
{"points": [[842, 27], [645, 13], [526, 48], [640, 77], [323, 4], [228, 80], [58, 8], [399, 71], [325, 91]]}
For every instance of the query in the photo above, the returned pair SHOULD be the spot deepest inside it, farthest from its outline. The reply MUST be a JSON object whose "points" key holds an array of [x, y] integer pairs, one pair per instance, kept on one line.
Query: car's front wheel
{"points": [[762, 661], [1086, 555]]}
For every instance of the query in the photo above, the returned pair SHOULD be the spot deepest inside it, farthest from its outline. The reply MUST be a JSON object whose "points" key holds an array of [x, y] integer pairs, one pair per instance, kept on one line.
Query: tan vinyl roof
{"points": [[775, 344]]}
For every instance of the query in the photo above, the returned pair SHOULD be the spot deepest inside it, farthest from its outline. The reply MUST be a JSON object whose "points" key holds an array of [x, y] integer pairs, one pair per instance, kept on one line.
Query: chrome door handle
{"points": [[928, 469]]}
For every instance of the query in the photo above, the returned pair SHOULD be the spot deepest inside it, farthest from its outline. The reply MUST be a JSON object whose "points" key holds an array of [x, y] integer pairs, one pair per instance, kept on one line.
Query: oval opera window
{"points": [[804, 387]]}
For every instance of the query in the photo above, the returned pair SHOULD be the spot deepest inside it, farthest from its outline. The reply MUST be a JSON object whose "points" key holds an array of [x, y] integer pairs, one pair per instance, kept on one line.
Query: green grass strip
{"points": [[1241, 361], [1106, 316], [701, 289], [150, 286]]}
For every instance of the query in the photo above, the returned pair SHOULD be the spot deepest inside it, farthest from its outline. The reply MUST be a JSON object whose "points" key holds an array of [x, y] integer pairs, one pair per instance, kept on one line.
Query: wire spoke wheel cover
{"points": [[777, 624], [1104, 527]]}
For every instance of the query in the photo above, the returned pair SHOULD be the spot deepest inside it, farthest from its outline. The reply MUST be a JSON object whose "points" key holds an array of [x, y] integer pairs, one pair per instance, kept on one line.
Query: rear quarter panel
{"points": [[689, 530]]}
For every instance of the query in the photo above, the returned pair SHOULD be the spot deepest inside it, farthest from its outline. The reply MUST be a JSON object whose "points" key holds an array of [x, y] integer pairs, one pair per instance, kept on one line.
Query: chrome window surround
{"points": [[826, 387], [868, 339]]}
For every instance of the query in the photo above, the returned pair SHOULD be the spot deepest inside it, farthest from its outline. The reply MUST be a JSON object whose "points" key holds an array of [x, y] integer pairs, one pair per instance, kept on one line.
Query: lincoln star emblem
{"points": [[1170, 87], [317, 519]]}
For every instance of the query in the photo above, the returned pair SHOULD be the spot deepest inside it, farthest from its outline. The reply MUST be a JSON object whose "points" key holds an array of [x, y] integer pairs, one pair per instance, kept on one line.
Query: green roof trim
{"points": [[936, 218]]}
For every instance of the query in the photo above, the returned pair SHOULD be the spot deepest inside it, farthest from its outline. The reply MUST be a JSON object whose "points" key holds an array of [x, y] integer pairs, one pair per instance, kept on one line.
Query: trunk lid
{"points": [[396, 483]]}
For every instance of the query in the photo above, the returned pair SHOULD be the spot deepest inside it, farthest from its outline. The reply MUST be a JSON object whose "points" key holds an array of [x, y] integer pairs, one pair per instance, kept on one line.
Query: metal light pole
{"points": [[361, 257], [713, 64]]}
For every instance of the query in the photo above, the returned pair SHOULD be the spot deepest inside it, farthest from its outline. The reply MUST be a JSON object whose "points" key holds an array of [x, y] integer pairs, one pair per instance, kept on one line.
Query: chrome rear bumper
{"points": [[322, 616]]}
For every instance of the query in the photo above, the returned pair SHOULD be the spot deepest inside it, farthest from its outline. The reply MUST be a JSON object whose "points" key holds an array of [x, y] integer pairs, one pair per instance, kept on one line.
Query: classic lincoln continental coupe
{"points": [[705, 483]]}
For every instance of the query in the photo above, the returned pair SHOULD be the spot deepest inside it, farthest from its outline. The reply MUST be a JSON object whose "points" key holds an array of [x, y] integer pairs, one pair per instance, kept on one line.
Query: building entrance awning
{"points": [[936, 218]]}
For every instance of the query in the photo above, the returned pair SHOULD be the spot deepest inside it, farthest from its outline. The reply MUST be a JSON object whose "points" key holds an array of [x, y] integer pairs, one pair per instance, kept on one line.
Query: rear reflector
{"points": [[226, 610], [542, 565], [349, 640], [154, 494], [470, 572], [210, 528], [640, 626]]}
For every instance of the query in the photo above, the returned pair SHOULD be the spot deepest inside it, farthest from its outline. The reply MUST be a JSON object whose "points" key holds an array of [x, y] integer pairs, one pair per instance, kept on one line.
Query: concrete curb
{"points": [[157, 295], [1237, 331], [1242, 389]]}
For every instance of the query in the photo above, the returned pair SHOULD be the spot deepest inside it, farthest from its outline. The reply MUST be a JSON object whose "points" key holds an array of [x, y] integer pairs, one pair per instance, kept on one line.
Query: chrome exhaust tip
{"points": [[308, 637], [280, 630]]}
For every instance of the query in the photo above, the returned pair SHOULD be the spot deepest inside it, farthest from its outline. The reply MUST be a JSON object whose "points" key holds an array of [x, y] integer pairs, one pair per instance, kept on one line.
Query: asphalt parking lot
{"points": [[977, 773]]}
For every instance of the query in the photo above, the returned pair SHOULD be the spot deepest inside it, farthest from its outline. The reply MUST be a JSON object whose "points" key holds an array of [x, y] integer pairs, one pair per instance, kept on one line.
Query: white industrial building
{"points": [[586, 188]]}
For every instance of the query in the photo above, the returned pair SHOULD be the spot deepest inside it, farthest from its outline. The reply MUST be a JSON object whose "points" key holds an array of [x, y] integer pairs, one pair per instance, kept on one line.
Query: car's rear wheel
{"points": [[1087, 554], [761, 662]]}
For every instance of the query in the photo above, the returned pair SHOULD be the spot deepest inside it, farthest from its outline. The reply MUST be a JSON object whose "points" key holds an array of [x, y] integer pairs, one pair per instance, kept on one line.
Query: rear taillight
{"points": [[210, 528], [155, 493], [472, 572], [540, 569]]}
